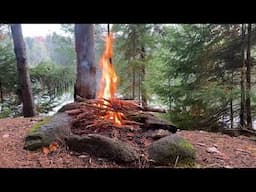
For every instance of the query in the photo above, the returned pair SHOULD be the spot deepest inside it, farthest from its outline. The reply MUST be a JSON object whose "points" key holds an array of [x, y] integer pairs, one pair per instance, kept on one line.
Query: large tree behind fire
{"points": [[85, 85], [22, 68]]}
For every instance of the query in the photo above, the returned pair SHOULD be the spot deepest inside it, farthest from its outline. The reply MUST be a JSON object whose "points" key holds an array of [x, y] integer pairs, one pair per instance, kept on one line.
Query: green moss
{"points": [[186, 145], [168, 152], [189, 157], [39, 124]]}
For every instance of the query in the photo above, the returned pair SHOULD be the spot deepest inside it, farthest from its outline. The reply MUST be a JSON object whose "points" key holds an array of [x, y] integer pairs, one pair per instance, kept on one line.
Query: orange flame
{"points": [[109, 80]]}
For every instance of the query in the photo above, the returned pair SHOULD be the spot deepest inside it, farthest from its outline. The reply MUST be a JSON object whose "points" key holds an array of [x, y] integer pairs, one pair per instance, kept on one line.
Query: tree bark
{"points": [[242, 112], [139, 87], [231, 100], [248, 79], [143, 74], [133, 82], [1, 93], [23, 75], [85, 85]]}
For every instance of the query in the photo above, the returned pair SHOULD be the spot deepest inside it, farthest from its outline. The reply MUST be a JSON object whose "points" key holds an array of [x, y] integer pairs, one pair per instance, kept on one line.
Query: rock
{"points": [[212, 150], [101, 146], [160, 133], [82, 156], [167, 149], [5, 135], [56, 129]]}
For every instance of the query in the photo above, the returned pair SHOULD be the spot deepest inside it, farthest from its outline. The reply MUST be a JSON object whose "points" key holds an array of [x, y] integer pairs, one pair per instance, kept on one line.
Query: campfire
{"points": [[111, 130], [107, 111], [108, 83], [106, 126]]}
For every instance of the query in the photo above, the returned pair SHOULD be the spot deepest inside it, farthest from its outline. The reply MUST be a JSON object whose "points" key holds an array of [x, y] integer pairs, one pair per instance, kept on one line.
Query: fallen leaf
{"points": [[53, 146], [45, 150]]}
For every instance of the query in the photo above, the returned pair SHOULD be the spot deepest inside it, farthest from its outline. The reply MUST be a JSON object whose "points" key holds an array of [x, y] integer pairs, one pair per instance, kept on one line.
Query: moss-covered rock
{"points": [[51, 129], [170, 149]]}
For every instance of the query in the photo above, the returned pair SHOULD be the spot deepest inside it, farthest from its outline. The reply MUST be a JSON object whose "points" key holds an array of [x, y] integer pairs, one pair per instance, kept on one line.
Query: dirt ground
{"points": [[213, 150]]}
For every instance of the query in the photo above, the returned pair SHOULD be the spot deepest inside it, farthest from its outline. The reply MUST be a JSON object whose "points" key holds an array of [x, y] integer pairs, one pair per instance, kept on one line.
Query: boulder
{"points": [[171, 150], [102, 146]]}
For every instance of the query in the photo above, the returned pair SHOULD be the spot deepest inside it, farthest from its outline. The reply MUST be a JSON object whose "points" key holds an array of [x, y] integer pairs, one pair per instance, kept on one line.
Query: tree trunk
{"points": [[143, 73], [139, 87], [133, 82], [248, 80], [242, 112], [231, 100], [1, 93], [23, 75], [85, 86]]}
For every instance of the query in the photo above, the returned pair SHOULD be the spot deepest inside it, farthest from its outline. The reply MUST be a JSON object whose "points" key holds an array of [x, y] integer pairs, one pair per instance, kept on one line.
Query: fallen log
{"points": [[250, 131], [102, 146], [154, 123], [150, 109], [149, 121], [57, 128]]}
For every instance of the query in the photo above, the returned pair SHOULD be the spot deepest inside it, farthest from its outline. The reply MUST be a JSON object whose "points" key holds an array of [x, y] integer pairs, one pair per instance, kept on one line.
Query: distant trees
{"points": [[8, 73], [49, 82], [53, 48], [22, 69], [203, 73], [194, 69], [51, 67], [85, 85], [8, 77], [133, 46]]}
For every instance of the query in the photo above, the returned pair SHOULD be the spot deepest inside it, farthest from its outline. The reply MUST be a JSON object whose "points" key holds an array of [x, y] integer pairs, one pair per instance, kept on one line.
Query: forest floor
{"points": [[213, 150]]}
